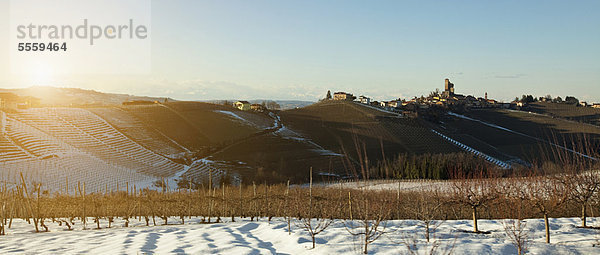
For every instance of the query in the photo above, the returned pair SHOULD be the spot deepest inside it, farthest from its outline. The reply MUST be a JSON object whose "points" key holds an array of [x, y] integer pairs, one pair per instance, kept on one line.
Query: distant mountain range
{"points": [[52, 96]]}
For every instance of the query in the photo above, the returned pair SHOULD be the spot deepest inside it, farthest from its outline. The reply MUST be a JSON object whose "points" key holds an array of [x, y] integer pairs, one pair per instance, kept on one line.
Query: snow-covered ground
{"points": [[234, 116], [287, 133], [263, 237], [402, 185]]}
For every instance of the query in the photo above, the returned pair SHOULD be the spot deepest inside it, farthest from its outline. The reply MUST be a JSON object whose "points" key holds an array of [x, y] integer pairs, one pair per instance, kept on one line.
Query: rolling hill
{"points": [[51, 96], [521, 137], [343, 127], [109, 147], [566, 111]]}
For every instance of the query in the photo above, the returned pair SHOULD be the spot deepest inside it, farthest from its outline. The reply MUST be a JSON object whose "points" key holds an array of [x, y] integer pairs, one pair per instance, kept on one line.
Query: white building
{"points": [[364, 100], [343, 96]]}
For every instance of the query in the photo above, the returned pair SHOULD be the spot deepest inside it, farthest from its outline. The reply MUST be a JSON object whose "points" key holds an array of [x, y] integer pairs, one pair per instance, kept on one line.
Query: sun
{"points": [[41, 74]]}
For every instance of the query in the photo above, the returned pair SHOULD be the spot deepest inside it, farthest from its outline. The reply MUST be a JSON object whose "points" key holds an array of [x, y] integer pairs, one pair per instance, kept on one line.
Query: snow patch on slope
{"points": [[287, 133], [491, 159], [234, 116]]}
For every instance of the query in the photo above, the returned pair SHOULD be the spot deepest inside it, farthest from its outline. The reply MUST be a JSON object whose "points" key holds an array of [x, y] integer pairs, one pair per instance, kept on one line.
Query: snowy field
{"points": [[263, 237], [403, 185]]}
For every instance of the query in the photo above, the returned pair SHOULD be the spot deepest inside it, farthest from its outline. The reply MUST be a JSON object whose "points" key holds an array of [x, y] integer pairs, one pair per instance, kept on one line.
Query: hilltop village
{"points": [[446, 99], [436, 100]]}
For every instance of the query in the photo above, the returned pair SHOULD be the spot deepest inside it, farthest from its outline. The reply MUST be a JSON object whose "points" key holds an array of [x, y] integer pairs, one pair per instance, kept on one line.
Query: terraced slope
{"points": [[204, 129], [280, 156], [341, 126], [54, 150], [174, 126], [500, 144], [570, 112], [535, 124], [221, 124], [108, 148], [521, 135], [134, 128]]}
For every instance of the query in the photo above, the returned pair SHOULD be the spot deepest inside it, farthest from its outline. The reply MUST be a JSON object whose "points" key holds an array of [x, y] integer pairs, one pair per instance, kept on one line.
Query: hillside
{"points": [[108, 147], [342, 127], [516, 136], [220, 124], [52, 96], [54, 146], [566, 111], [283, 104]]}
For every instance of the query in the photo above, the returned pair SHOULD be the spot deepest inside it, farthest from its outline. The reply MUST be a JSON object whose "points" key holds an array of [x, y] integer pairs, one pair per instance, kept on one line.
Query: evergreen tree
{"points": [[328, 97]]}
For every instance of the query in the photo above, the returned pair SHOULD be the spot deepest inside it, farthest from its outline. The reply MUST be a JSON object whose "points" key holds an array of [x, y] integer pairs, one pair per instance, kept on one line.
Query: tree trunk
{"points": [[366, 232], [475, 228], [313, 240], [427, 231], [547, 227], [583, 215], [350, 205]]}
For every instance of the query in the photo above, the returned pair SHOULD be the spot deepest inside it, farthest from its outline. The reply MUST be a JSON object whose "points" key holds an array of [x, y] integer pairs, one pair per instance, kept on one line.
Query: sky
{"points": [[204, 50]]}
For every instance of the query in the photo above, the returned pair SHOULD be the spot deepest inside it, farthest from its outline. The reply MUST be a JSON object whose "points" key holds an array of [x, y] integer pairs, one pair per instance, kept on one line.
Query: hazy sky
{"points": [[385, 49]]}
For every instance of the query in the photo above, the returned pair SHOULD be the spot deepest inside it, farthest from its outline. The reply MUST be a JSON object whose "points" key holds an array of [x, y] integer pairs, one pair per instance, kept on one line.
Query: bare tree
{"points": [[475, 193], [517, 232], [580, 181], [426, 209], [514, 226], [27, 197], [318, 218], [582, 187], [546, 194], [435, 246], [315, 226], [370, 221], [287, 213]]}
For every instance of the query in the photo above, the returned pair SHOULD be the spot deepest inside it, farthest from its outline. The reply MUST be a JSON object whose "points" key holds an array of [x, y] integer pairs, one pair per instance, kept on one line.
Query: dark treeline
{"points": [[431, 166]]}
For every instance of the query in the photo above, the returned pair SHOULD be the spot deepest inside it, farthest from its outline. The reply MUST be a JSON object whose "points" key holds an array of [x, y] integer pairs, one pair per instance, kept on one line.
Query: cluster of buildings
{"points": [[247, 106], [586, 104], [446, 98]]}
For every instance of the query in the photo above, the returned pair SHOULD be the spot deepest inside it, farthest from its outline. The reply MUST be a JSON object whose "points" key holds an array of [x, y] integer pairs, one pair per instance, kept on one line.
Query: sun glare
{"points": [[41, 75]]}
